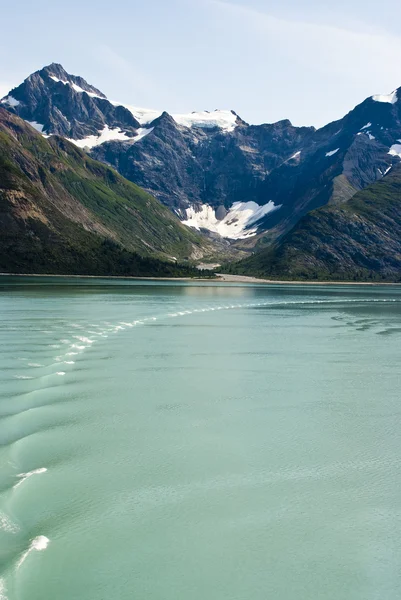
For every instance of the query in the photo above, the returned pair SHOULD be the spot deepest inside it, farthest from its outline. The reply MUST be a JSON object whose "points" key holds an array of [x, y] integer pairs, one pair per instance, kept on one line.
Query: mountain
{"points": [[63, 212], [246, 183], [344, 157], [204, 161], [55, 102], [357, 240]]}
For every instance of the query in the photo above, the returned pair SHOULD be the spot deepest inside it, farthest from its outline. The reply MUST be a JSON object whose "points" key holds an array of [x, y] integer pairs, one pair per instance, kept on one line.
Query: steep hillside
{"points": [[61, 211], [95, 195], [357, 240]]}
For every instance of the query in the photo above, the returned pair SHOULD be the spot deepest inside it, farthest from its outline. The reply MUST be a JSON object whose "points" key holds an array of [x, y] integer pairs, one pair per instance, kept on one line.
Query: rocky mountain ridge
{"points": [[249, 183]]}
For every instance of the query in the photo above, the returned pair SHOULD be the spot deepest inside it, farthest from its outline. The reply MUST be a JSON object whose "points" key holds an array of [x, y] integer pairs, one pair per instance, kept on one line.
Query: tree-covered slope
{"points": [[62, 212], [357, 240]]}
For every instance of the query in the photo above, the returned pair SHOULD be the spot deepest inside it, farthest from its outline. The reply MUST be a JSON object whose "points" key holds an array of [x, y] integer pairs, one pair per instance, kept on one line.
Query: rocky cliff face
{"points": [[63, 104], [216, 172], [340, 159]]}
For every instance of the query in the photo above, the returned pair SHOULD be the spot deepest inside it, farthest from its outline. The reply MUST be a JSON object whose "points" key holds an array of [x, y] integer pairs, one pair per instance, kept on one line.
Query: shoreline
{"points": [[219, 278], [247, 279]]}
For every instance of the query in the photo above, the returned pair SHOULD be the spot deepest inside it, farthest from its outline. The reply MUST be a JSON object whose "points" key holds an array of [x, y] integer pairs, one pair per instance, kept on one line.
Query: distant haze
{"points": [[309, 62]]}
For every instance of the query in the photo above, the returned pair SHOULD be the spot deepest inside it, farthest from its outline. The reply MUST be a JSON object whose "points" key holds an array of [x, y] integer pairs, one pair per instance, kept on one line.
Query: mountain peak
{"points": [[55, 69], [57, 73], [54, 101]]}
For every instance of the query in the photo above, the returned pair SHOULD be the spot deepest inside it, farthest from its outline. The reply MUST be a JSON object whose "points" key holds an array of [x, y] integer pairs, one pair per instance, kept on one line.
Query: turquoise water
{"points": [[172, 441]]}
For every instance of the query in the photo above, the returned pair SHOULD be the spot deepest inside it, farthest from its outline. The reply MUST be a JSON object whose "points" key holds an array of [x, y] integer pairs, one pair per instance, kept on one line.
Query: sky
{"points": [[309, 61]]}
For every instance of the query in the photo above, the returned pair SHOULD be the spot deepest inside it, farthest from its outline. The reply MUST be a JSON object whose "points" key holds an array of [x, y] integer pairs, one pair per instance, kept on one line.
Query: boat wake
{"points": [[80, 338], [39, 543]]}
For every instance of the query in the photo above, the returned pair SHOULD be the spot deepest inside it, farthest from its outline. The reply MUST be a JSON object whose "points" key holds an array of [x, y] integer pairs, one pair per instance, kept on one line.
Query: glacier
{"points": [[237, 223]]}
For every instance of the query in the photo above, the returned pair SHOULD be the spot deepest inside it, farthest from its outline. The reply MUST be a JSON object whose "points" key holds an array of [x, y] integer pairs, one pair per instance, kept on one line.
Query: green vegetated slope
{"points": [[62, 212], [358, 240]]}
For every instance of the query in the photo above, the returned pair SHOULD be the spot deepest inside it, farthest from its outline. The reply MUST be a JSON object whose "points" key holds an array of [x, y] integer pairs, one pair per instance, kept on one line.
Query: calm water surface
{"points": [[171, 441]]}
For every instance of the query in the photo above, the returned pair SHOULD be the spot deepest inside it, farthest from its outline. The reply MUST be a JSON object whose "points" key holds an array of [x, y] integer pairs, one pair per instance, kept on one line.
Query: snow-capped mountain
{"points": [[215, 171], [55, 102]]}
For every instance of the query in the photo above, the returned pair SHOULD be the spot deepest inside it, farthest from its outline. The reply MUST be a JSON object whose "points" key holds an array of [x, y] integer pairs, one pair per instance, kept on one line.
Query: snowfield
{"points": [[37, 126], [109, 135], [106, 135], [390, 98], [237, 223], [225, 120], [143, 115], [395, 150]]}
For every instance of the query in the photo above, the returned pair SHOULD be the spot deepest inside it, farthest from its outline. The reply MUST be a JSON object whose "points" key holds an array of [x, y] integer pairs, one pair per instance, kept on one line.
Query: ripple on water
{"points": [[24, 476], [41, 542]]}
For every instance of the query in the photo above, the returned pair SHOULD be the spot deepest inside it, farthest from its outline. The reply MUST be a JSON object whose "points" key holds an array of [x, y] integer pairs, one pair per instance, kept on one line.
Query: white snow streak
{"points": [[141, 133], [235, 225], [366, 126], [332, 152], [76, 87]]}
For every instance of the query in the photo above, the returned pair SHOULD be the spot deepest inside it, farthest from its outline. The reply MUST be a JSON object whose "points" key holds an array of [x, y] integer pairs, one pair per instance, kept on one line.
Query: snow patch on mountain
{"points": [[141, 133], [223, 119], [144, 116], [10, 101], [37, 126], [332, 152], [106, 135], [236, 225], [395, 149], [75, 87], [110, 135], [390, 98]]}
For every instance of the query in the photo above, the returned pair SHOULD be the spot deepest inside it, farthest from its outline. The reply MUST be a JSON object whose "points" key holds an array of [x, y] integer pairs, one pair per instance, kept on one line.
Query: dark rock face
{"points": [[339, 160], [298, 168], [161, 161], [193, 166], [49, 98]]}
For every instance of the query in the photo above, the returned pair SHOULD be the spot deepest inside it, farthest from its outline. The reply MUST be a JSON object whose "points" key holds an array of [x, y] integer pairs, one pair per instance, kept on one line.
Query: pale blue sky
{"points": [[310, 61]]}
